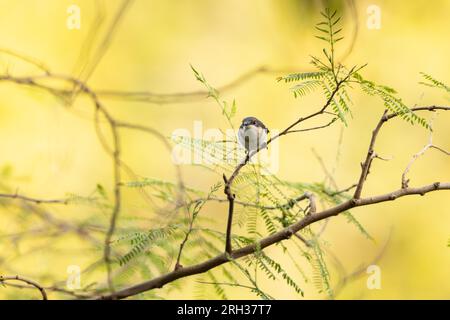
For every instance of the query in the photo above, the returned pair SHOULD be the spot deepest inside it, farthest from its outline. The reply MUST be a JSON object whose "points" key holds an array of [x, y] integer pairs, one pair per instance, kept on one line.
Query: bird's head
{"points": [[250, 121]]}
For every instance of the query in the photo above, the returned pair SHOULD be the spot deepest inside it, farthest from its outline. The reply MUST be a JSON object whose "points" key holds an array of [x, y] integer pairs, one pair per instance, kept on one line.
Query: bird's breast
{"points": [[252, 137]]}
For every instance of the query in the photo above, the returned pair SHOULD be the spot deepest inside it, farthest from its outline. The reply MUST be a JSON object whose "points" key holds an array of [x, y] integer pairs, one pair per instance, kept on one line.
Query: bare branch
{"points": [[365, 167], [71, 293], [424, 108], [405, 181], [230, 198], [314, 128], [302, 239], [4, 279], [312, 202], [429, 145], [343, 190], [35, 200]]}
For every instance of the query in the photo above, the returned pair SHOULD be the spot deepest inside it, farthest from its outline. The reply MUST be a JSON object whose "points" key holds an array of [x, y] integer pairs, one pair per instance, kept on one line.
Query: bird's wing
{"points": [[241, 136], [262, 125]]}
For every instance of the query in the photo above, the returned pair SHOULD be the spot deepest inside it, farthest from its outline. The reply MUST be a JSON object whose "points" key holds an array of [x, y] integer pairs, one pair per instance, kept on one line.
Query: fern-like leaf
{"points": [[302, 76], [321, 276], [142, 241], [391, 102], [433, 82], [306, 87]]}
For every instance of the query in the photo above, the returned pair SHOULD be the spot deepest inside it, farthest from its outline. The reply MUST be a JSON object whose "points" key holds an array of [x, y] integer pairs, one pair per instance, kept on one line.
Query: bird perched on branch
{"points": [[252, 134]]}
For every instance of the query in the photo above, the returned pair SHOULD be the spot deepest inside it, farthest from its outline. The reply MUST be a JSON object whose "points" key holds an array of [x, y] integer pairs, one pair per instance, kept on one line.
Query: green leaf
{"points": [[196, 73], [432, 82], [101, 191], [305, 87], [322, 30], [323, 38], [351, 219], [302, 76], [391, 101], [233, 109]]}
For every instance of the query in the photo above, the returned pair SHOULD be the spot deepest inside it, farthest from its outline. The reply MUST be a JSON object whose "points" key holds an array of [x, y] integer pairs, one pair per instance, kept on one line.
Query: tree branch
{"points": [[279, 236], [34, 200], [230, 198], [27, 281], [287, 232], [365, 167]]}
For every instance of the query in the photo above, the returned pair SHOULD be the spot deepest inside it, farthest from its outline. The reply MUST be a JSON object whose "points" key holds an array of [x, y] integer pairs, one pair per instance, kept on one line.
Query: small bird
{"points": [[252, 134]]}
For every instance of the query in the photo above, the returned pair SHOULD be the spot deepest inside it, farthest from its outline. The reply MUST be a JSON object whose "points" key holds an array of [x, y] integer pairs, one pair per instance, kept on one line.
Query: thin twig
{"points": [[27, 281], [314, 128], [54, 289], [195, 212], [288, 205], [35, 200], [429, 145], [230, 198]]}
